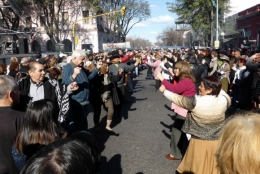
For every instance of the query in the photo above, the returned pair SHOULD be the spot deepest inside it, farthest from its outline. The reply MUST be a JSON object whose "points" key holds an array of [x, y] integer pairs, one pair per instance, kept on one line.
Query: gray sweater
{"points": [[207, 113], [126, 68]]}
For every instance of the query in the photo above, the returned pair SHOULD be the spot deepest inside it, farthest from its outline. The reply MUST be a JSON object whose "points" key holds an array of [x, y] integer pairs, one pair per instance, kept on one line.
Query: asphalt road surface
{"points": [[143, 137]]}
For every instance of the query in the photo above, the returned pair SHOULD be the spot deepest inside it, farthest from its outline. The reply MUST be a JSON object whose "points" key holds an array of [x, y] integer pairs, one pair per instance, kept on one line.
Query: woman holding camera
{"points": [[185, 87]]}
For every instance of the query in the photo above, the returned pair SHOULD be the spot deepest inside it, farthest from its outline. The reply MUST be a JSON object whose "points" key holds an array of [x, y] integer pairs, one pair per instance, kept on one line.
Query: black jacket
{"points": [[53, 92]]}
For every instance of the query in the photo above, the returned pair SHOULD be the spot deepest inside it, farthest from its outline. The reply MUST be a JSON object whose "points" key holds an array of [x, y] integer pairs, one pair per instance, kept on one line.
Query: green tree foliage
{"points": [[200, 14]]}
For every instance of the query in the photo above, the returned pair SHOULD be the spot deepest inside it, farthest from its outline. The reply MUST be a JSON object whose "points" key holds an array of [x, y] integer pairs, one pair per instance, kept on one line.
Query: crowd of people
{"points": [[44, 106], [202, 86]]}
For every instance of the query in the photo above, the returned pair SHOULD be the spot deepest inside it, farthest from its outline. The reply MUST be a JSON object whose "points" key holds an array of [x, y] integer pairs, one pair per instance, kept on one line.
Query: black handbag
{"points": [[115, 96]]}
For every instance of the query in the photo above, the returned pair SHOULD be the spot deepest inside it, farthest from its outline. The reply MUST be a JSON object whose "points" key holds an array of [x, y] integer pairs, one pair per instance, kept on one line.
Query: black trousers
{"points": [[149, 71], [121, 95], [157, 84]]}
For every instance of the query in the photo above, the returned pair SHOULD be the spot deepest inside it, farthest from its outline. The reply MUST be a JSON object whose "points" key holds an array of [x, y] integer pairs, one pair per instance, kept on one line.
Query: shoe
{"points": [[111, 132], [168, 156]]}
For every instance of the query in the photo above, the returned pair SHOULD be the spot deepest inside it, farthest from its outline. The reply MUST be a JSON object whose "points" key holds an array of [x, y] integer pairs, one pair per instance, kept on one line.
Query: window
{"points": [[248, 33], [2, 23], [65, 18], [28, 21], [85, 14], [42, 21]]}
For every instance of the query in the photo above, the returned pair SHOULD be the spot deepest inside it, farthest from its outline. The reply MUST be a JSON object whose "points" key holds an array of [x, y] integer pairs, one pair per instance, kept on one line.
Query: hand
{"points": [[203, 61], [160, 76], [77, 71], [120, 71], [99, 64], [254, 56], [162, 88], [74, 86], [171, 71]]}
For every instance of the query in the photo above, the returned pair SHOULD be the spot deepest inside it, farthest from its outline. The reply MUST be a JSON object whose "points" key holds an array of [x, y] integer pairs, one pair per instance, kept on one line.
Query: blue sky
{"points": [[161, 18]]}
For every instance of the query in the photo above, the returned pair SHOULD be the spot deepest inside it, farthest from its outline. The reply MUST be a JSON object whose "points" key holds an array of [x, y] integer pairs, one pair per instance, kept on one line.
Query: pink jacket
{"points": [[157, 67]]}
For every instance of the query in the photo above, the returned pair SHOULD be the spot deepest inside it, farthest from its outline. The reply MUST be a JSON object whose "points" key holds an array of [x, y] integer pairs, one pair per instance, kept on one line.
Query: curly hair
{"points": [[14, 66], [2, 69]]}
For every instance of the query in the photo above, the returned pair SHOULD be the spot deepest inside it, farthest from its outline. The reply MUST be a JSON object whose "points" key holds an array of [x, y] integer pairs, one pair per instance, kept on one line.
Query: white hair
{"points": [[78, 53], [7, 84]]}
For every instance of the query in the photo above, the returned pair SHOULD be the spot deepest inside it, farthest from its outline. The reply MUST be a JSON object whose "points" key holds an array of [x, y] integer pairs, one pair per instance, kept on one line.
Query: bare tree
{"points": [[170, 37], [119, 26], [138, 42]]}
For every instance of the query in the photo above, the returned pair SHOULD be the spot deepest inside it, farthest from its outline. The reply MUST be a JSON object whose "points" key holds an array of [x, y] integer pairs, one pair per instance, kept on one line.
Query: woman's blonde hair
{"points": [[184, 70], [239, 145], [157, 57]]}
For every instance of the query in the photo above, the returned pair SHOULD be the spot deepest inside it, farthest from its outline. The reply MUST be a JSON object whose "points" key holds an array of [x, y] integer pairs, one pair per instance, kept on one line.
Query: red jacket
{"points": [[125, 58]]}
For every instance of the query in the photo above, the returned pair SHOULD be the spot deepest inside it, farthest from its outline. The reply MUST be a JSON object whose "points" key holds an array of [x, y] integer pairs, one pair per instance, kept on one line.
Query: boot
{"points": [[108, 125]]}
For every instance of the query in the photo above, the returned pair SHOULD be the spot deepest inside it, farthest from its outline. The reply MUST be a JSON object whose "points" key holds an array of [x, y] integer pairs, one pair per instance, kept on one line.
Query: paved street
{"points": [[144, 134]]}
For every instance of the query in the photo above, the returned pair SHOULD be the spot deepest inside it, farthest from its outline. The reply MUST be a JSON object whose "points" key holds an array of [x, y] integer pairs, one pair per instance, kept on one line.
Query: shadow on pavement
{"points": [[113, 166]]}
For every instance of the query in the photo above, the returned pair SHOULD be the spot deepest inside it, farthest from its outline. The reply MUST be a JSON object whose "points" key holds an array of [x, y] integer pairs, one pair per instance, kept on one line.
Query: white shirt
{"points": [[36, 91]]}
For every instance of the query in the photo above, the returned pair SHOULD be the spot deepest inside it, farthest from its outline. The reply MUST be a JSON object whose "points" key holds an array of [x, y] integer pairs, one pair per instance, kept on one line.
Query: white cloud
{"points": [[139, 25], [161, 19], [154, 7], [238, 6]]}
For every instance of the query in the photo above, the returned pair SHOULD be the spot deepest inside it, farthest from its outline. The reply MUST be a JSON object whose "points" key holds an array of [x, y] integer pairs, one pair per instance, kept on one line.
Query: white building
{"points": [[91, 33]]}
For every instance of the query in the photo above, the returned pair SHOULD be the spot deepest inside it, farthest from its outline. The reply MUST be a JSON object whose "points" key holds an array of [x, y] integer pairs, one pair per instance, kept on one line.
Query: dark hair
{"points": [[76, 154], [2, 69], [212, 83], [242, 61], [38, 126], [32, 66], [13, 66], [54, 73]]}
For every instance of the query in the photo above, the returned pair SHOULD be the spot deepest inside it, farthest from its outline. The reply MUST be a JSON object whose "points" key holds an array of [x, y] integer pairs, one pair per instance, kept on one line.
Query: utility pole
{"points": [[216, 43]]}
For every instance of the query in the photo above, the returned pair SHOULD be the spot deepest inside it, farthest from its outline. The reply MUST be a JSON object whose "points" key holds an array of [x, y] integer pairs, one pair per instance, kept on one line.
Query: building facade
{"points": [[248, 25], [91, 33]]}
